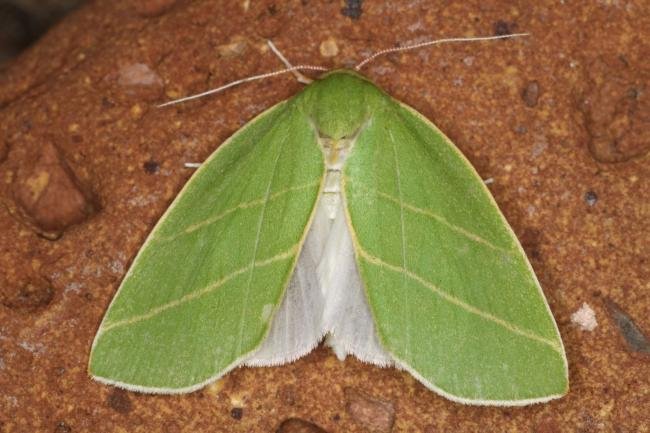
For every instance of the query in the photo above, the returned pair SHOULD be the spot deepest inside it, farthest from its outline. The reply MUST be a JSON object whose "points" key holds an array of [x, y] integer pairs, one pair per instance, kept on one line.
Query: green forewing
{"points": [[454, 298], [199, 294]]}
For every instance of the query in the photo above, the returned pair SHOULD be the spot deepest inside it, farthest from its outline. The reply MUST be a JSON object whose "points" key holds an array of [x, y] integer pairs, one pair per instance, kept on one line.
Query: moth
{"points": [[339, 214]]}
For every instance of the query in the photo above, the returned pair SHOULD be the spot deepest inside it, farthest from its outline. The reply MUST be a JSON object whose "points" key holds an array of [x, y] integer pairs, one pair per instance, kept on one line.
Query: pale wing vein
{"points": [[288, 254], [406, 301], [245, 205], [458, 302], [439, 218]]}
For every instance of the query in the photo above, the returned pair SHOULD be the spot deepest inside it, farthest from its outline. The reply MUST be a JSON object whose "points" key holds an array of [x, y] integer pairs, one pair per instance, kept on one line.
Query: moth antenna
{"points": [[434, 42], [244, 80], [300, 77]]}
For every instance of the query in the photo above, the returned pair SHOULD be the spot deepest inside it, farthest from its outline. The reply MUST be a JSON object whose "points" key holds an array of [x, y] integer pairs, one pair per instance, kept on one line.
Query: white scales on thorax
{"points": [[325, 297]]}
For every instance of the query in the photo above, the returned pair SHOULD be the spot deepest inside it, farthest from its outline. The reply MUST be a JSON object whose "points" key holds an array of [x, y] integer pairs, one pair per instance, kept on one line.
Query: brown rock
{"points": [[374, 414], [586, 253], [49, 194], [297, 425]]}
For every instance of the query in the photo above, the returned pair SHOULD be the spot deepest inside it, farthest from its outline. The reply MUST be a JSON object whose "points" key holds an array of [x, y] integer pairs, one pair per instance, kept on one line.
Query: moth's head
{"points": [[339, 102]]}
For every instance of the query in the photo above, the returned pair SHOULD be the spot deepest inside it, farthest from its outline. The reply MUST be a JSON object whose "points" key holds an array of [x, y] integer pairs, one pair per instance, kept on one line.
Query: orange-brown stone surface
{"points": [[560, 121]]}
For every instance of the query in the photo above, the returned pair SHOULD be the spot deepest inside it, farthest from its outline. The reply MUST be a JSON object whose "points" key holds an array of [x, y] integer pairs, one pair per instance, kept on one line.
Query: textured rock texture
{"points": [[560, 121]]}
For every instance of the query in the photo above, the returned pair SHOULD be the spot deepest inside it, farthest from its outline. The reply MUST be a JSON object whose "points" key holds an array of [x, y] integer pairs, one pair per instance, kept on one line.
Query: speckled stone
{"points": [[586, 131]]}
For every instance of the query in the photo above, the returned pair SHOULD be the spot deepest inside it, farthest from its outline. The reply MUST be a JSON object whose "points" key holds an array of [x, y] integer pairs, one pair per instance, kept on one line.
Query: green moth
{"points": [[342, 214]]}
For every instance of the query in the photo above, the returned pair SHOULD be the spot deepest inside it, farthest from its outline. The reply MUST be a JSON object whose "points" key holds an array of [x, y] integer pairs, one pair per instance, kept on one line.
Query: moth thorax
{"points": [[335, 150]]}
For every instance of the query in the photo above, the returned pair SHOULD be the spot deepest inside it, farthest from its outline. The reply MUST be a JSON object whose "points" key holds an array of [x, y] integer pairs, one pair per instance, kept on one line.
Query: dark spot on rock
{"points": [[273, 9], [633, 335], [352, 9], [62, 427], [297, 425], [521, 129], [336, 417], [151, 167], [119, 401], [530, 94], [107, 103], [237, 413], [373, 414], [49, 195], [502, 28], [153, 8], [591, 198], [34, 295], [4, 149]]}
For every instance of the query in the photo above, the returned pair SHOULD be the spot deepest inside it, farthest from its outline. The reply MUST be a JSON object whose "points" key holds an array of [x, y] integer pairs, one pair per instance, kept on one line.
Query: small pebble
{"points": [[236, 47], [49, 194], [585, 318], [329, 48], [530, 94], [138, 74], [139, 80]]}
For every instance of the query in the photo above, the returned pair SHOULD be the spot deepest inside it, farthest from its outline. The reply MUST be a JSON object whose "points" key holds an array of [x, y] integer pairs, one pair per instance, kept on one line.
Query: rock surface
{"points": [[90, 88]]}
